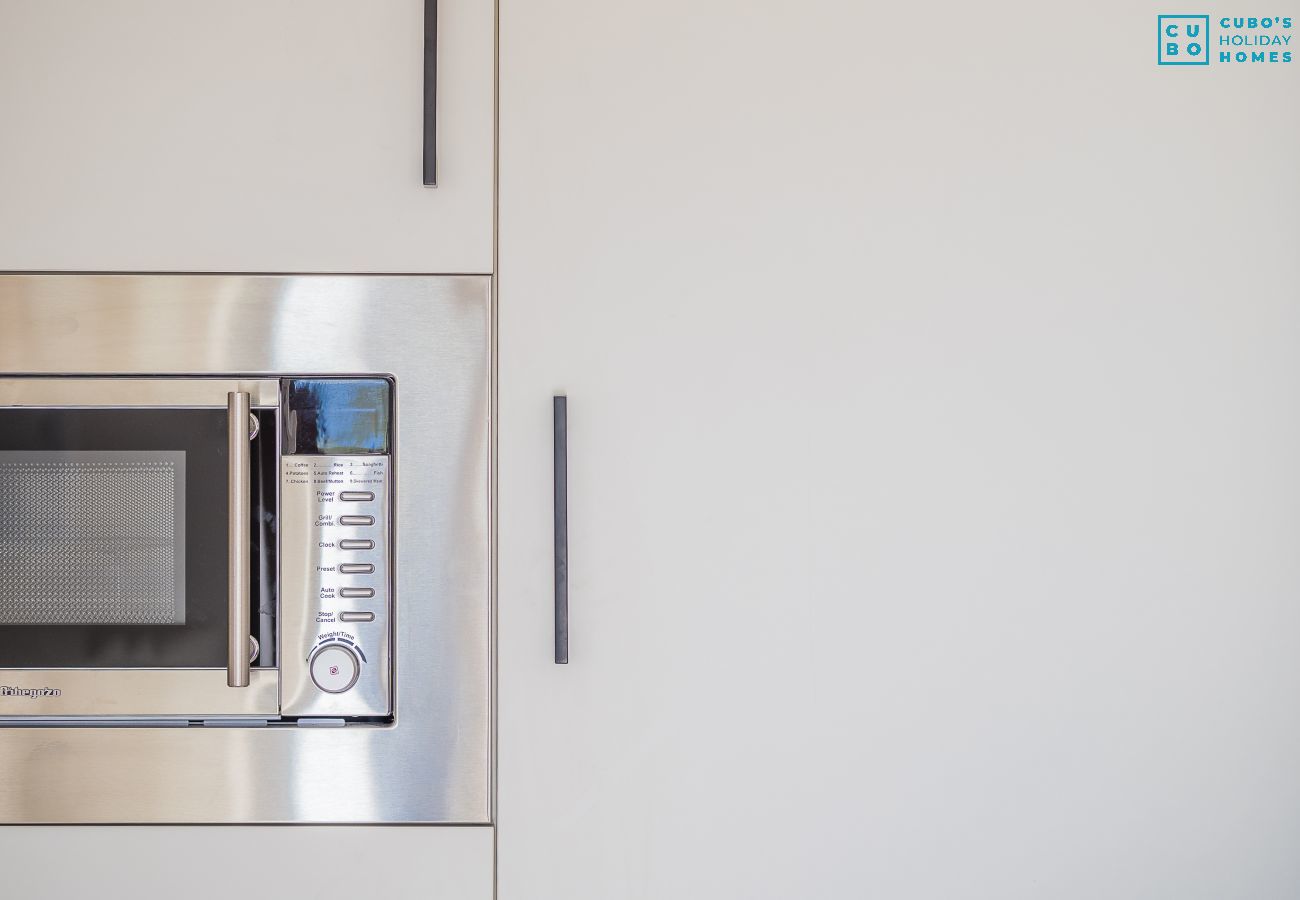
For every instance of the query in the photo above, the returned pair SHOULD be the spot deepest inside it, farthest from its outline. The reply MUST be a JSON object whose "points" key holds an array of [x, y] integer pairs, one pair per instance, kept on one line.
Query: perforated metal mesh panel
{"points": [[92, 538]]}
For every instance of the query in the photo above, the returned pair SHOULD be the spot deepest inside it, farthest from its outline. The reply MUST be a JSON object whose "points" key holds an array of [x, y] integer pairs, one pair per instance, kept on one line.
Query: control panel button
{"points": [[334, 668], [336, 565]]}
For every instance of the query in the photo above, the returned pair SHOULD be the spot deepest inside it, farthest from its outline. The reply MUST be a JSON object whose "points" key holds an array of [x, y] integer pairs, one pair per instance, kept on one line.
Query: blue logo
{"points": [[1184, 40]]}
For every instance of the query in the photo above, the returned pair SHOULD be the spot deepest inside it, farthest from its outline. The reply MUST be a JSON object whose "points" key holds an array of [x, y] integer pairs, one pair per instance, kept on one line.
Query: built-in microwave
{"points": [[244, 548]]}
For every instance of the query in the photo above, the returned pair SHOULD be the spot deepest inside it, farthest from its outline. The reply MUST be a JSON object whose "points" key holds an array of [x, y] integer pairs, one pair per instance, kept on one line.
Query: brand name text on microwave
{"points": [[11, 691]]}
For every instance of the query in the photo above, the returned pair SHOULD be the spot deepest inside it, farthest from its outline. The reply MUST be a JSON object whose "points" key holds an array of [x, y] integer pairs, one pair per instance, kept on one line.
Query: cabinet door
{"points": [[203, 862], [934, 409], [242, 135]]}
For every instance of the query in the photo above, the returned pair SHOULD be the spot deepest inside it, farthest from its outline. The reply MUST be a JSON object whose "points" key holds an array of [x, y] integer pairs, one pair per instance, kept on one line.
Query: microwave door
{"points": [[138, 548]]}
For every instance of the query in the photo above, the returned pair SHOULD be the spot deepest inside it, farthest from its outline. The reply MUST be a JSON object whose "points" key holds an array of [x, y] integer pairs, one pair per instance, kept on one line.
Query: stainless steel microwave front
{"points": [[244, 549]]}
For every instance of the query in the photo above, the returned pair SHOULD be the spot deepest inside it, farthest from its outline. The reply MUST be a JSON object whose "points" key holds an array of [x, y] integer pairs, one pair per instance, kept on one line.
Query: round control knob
{"points": [[334, 668]]}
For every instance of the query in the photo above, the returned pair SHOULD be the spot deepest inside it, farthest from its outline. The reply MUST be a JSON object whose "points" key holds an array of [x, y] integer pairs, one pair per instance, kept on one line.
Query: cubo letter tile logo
{"points": [[1184, 40]]}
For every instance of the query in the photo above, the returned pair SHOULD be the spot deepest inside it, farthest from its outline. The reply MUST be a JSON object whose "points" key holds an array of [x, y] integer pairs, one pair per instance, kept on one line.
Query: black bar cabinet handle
{"points": [[560, 415], [431, 93]]}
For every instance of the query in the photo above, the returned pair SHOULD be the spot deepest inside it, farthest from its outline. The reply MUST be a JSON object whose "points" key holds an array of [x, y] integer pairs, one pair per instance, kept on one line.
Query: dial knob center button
{"points": [[334, 668]]}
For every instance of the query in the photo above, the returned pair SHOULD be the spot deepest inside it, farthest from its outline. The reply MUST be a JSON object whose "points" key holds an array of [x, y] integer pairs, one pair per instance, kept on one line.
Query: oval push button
{"points": [[356, 520], [352, 544], [356, 593], [356, 616], [355, 496], [356, 568]]}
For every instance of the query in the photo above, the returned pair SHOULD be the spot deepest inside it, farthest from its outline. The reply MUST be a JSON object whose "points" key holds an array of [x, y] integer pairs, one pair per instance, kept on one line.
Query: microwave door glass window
{"points": [[92, 537], [114, 537]]}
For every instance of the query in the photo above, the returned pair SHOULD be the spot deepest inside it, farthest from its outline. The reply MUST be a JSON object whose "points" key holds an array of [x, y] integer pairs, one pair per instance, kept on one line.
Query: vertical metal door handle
{"points": [[431, 93], [237, 430], [560, 413]]}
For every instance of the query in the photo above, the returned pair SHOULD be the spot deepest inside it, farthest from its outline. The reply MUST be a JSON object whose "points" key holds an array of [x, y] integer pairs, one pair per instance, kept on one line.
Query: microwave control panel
{"points": [[336, 553]]}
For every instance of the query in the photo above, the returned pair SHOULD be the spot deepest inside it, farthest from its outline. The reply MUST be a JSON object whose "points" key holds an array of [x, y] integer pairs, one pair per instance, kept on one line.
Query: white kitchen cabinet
{"points": [[282, 136], [934, 409], [286, 136], [211, 862], [933, 417]]}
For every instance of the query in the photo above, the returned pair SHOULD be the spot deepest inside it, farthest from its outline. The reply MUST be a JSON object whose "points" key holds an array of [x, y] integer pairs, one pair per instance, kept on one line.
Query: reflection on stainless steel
{"points": [[431, 763], [171, 392], [312, 586], [238, 572]]}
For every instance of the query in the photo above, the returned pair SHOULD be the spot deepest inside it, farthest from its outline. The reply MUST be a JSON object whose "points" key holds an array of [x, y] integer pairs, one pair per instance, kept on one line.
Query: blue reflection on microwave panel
{"points": [[337, 416]]}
